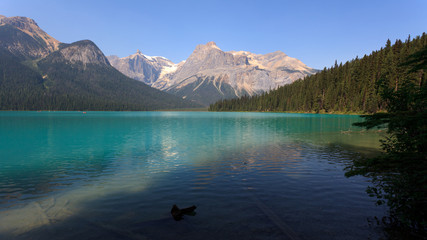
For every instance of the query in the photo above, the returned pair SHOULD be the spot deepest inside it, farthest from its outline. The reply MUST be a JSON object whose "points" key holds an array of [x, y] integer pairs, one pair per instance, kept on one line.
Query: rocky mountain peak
{"points": [[42, 45], [211, 44], [85, 52], [207, 47], [210, 74], [276, 54], [204, 57], [22, 23], [143, 67]]}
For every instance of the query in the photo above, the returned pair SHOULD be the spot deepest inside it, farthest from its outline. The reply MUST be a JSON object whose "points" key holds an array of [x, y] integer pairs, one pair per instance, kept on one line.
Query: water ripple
{"points": [[252, 176]]}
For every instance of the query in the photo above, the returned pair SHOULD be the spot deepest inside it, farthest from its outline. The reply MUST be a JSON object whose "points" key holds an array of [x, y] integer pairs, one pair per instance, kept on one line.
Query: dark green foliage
{"points": [[54, 83], [94, 87], [392, 82], [60, 85], [350, 87], [207, 91], [400, 173], [20, 86]]}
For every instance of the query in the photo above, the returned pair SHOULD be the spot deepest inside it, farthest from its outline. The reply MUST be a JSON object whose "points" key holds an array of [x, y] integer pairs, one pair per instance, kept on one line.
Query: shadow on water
{"points": [[251, 176], [355, 151], [391, 230], [281, 191], [137, 218], [92, 222]]}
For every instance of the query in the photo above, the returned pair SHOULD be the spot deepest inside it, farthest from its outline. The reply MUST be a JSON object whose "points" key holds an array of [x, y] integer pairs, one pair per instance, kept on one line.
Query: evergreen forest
{"points": [[352, 87], [54, 84], [398, 174], [389, 86]]}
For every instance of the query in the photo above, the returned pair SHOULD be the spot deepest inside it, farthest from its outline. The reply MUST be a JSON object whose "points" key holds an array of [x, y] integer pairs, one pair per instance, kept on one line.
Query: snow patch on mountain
{"points": [[211, 71]]}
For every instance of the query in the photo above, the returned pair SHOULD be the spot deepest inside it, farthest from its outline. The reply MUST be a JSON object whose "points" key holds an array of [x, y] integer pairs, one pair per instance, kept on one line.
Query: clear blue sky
{"points": [[316, 32]]}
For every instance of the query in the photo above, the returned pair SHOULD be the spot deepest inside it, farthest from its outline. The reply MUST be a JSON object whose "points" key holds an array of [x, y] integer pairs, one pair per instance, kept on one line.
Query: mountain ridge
{"points": [[355, 86], [209, 74], [77, 76], [229, 74], [84, 51], [43, 43], [141, 67]]}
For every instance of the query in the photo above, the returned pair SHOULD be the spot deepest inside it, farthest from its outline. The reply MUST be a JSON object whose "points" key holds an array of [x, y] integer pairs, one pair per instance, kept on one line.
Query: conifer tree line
{"points": [[55, 85], [399, 172], [352, 87]]}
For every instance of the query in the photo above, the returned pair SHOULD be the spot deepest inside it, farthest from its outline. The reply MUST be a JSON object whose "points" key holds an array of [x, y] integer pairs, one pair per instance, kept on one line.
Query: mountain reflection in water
{"points": [[109, 175]]}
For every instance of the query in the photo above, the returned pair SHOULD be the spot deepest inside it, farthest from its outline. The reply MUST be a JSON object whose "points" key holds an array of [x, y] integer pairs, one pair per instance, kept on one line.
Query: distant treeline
{"points": [[55, 85], [351, 87]]}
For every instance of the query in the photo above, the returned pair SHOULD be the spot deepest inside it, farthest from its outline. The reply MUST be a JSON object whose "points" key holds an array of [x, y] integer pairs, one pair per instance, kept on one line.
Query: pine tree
{"points": [[350, 87], [399, 174]]}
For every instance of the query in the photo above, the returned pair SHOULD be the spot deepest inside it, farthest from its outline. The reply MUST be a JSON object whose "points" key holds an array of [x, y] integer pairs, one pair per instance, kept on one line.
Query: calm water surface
{"points": [[116, 175]]}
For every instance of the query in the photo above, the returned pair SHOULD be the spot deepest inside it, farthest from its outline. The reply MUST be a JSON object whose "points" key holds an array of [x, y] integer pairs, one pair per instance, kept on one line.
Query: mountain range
{"points": [[39, 72], [210, 74]]}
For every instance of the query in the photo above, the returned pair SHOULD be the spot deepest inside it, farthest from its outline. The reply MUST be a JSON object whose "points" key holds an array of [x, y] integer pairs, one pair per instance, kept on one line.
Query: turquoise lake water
{"points": [[116, 175]]}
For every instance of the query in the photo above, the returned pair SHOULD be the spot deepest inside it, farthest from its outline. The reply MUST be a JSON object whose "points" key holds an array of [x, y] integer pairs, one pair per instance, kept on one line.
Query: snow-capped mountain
{"points": [[210, 74], [142, 67], [39, 72]]}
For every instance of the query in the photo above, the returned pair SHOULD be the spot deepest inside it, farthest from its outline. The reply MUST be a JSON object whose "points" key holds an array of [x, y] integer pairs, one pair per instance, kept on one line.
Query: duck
{"points": [[178, 213]]}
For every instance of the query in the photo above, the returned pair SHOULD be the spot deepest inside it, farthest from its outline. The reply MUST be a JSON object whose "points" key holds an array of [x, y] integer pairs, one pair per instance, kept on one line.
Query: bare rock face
{"points": [[141, 67], [232, 74], [85, 52], [22, 37], [205, 57], [210, 74], [25, 38]]}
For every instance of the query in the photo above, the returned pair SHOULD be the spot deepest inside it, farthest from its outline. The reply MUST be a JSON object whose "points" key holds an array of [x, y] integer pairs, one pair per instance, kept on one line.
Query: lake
{"points": [[116, 175]]}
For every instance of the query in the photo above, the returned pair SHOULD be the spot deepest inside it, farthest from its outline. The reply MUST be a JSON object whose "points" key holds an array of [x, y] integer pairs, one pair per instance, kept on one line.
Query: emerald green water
{"points": [[115, 175]]}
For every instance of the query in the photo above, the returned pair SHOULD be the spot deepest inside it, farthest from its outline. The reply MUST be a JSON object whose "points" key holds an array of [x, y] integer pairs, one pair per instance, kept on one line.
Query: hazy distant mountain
{"points": [[141, 67], [210, 74], [38, 72]]}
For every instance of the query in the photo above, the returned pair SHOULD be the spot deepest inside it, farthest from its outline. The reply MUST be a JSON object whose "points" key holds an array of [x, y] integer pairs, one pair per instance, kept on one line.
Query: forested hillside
{"points": [[351, 87], [61, 86], [37, 72]]}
